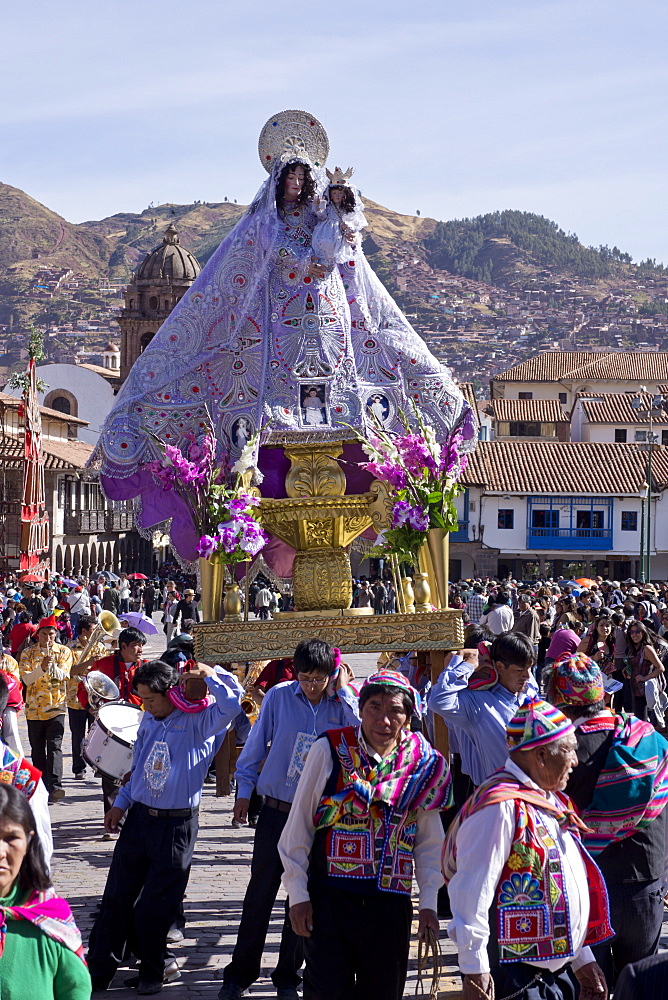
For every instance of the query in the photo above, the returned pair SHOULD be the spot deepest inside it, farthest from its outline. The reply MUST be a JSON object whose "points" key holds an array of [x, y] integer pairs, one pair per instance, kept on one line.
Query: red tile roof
{"points": [[468, 393], [574, 467], [541, 410], [616, 408], [551, 366], [58, 455]]}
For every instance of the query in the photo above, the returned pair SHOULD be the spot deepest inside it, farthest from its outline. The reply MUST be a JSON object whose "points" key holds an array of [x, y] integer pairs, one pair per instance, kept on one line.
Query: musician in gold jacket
{"points": [[45, 670], [79, 718]]}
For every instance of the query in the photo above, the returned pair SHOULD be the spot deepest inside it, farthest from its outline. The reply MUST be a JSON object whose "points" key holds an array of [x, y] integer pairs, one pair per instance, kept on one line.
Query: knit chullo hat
{"points": [[393, 679], [575, 680], [535, 724]]}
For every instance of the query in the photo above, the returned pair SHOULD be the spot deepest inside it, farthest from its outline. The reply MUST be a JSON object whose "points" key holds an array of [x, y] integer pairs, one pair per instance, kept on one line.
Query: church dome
{"points": [[169, 261]]}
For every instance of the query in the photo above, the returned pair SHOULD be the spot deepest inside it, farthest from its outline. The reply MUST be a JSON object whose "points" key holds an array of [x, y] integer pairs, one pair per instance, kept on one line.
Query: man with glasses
{"points": [[291, 718]]}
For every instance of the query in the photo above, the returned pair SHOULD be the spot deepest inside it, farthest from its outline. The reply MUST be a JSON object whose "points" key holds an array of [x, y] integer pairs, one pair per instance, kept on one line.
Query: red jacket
{"points": [[113, 666]]}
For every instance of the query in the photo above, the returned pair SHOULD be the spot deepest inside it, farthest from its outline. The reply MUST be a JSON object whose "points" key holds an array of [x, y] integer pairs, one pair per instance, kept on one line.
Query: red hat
{"points": [[49, 622]]}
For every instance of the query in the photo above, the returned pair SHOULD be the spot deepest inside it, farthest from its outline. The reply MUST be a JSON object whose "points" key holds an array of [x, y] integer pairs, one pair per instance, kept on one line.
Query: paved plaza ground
{"points": [[220, 872]]}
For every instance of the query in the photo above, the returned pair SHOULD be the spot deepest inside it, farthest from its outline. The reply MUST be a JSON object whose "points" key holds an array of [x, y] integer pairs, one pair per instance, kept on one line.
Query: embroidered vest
{"points": [[17, 771], [533, 919], [365, 853]]}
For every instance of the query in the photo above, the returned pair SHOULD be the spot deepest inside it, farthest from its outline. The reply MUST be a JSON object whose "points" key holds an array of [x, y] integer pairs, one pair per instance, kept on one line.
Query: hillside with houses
{"points": [[502, 299]]}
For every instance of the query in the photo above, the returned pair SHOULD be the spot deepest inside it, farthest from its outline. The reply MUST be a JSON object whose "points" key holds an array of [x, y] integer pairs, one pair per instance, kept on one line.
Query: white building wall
{"points": [[94, 395]]}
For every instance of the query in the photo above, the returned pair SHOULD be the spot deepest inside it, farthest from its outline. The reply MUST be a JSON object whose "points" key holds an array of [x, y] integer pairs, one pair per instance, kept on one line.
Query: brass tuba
{"points": [[106, 625], [100, 689]]}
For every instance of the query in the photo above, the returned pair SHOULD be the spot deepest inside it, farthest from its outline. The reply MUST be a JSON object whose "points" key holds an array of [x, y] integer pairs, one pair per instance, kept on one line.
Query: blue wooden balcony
{"points": [[570, 523], [596, 539]]}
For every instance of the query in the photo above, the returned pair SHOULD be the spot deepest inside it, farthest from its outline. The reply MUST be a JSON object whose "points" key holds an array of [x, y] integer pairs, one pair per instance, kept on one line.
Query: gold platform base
{"points": [[216, 642], [328, 613]]}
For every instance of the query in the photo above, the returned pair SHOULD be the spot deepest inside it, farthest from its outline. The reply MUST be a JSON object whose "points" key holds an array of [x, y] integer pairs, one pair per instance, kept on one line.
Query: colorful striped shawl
{"points": [[414, 776], [52, 914], [501, 787], [632, 788]]}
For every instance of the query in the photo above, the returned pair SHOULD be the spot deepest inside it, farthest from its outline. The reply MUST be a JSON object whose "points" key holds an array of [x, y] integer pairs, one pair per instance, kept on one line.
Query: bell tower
{"points": [[157, 285]]}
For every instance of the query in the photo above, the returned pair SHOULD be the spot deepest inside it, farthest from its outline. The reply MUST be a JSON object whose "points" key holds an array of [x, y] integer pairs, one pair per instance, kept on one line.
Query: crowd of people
{"points": [[540, 837]]}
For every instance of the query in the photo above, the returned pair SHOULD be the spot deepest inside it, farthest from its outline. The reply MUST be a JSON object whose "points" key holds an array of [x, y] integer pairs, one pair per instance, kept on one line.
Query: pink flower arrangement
{"points": [[424, 474], [222, 515]]}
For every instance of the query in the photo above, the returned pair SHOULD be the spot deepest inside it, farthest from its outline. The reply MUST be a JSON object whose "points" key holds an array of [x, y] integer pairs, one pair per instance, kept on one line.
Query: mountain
{"points": [[30, 232], [504, 248]]}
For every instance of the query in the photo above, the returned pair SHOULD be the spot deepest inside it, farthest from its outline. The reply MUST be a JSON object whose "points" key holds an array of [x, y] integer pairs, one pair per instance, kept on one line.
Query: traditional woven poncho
{"points": [[632, 788], [415, 776]]}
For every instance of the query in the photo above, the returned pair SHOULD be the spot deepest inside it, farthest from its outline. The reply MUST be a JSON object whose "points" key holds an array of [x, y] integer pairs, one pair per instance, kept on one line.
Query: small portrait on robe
{"points": [[379, 407], [313, 404], [241, 433]]}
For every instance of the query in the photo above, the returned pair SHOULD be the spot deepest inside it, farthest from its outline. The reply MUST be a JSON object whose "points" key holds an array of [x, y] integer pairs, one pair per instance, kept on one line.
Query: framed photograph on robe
{"points": [[379, 406], [314, 404], [241, 432]]}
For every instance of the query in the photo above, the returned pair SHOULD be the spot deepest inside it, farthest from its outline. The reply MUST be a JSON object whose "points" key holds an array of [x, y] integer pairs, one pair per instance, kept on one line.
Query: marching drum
{"points": [[109, 744]]}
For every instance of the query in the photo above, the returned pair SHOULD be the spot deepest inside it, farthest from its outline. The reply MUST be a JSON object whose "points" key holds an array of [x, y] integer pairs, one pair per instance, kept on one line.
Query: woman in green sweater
{"points": [[41, 957]]}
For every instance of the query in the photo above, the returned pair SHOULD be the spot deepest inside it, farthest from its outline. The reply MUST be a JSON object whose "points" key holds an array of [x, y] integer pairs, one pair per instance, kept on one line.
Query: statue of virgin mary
{"points": [[273, 337]]}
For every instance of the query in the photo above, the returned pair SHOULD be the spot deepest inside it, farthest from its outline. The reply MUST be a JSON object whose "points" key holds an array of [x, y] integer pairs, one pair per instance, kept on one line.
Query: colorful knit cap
{"points": [[391, 678], [575, 680], [535, 724]]}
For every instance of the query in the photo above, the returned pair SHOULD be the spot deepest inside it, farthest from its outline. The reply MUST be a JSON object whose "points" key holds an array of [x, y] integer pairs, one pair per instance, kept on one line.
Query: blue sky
{"points": [[449, 107]]}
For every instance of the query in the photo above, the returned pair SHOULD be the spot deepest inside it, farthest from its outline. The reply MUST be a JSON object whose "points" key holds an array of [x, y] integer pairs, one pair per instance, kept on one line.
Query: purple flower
{"points": [[415, 454], [164, 474], [404, 514], [387, 472], [253, 540], [452, 461], [206, 546]]}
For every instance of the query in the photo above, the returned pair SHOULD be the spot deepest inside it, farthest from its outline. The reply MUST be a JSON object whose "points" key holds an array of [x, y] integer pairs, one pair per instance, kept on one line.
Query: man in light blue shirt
{"points": [[291, 718], [151, 863], [481, 715]]}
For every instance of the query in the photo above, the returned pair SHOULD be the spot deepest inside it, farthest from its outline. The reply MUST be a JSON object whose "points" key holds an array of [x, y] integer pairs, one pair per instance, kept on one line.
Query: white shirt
{"points": [[499, 619], [484, 841], [296, 840], [79, 602]]}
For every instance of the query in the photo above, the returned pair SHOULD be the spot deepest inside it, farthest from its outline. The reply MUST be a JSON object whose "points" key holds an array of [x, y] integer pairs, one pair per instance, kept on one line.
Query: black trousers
{"points": [[636, 913], [80, 721], [514, 976], [109, 792], [46, 748], [359, 945], [145, 886], [265, 881]]}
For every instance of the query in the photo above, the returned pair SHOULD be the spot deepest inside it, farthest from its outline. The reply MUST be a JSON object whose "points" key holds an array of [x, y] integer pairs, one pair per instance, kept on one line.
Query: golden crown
{"points": [[339, 178]]}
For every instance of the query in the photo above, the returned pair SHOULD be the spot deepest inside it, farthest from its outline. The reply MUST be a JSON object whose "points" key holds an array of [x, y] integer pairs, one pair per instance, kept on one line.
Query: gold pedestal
{"points": [[212, 574], [319, 520], [269, 640], [435, 562]]}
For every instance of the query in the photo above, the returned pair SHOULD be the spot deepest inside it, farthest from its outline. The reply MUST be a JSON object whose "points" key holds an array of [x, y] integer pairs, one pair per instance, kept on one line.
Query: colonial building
{"points": [[528, 419], [619, 417], [157, 285], [562, 375], [571, 509], [88, 533]]}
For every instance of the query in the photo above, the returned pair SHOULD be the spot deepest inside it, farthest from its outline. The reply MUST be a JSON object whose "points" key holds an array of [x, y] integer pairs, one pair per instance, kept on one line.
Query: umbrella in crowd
{"points": [[68, 583], [137, 576], [109, 576], [142, 622], [585, 582], [31, 578]]}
